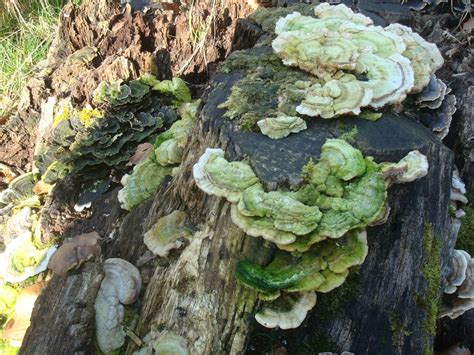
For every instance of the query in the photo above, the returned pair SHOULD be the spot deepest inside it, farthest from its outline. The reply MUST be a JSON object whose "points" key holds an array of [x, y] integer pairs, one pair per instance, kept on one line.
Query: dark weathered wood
{"points": [[63, 322]]}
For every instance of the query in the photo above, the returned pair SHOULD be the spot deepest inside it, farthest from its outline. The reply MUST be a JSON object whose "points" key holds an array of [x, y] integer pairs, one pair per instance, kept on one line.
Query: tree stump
{"points": [[387, 307]]}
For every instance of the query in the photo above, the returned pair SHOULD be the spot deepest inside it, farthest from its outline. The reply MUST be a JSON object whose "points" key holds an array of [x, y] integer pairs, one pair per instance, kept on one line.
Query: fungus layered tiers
{"points": [[342, 64], [167, 153], [105, 134], [318, 227]]}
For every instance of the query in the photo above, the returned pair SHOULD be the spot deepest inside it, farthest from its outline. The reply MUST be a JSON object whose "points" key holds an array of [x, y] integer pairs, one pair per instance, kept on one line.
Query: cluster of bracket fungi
{"points": [[326, 64], [355, 68], [319, 228]]}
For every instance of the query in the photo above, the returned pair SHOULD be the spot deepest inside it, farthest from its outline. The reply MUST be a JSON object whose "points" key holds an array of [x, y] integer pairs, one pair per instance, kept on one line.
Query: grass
{"points": [[26, 30]]}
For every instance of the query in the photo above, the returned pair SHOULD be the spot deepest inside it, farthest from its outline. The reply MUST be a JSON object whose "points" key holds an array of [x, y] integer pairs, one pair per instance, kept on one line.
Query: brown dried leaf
{"points": [[141, 153]]}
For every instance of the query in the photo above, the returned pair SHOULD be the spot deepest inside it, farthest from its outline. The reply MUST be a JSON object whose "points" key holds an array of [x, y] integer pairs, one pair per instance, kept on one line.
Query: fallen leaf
{"points": [[141, 153]]}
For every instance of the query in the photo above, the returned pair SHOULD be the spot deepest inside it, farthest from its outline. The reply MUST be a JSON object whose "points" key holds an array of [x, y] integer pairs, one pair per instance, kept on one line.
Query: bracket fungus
{"points": [[459, 287], [347, 63], [22, 259], [122, 115], [19, 189], [164, 343], [216, 176], [121, 286], [167, 234], [167, 152], [74, 252], [287, 311], [170, 344], [412, 167], [321, 222], [281, 126], [141, 184]]}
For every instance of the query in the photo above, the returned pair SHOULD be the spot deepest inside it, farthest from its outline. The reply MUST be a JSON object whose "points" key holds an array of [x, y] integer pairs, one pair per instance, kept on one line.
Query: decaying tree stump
{"points": [[388, 307]]}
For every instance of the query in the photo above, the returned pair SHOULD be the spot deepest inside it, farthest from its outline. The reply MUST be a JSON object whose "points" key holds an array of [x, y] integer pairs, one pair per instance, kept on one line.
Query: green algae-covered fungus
{"points": [[19, 189], [167, 234], [323, 267], [286, 312], [22, 259], [105, 132], [170, 344], [216, 176], [281, 126], [318, 227], [142, 183], [167, 153], [348, 65], [287, 213]]}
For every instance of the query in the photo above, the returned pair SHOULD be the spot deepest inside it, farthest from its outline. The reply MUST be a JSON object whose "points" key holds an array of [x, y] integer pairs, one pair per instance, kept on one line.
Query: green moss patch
{"points": [[431, 270]]}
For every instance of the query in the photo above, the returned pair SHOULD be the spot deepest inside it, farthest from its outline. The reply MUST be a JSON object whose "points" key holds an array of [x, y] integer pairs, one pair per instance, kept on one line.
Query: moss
{"points": [[332, 303], [465, 239], [267, 18], [398, 329], [256, 96], [431, 270], [350, 136]]}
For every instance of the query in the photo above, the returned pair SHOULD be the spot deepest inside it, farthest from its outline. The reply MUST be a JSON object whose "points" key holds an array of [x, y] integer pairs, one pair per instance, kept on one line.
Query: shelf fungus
{"points": [[142, 183], [8, 296], [214, 175], [168, 343], [168, 233], [323, 268], [319, 227], [19, 189], [346, 62], [23, 259], [106, 132], [412, 167], [458, 199], [459, 286], [121, 286], [286, 312], [72, 253], [281, 126], [167, 153]]}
